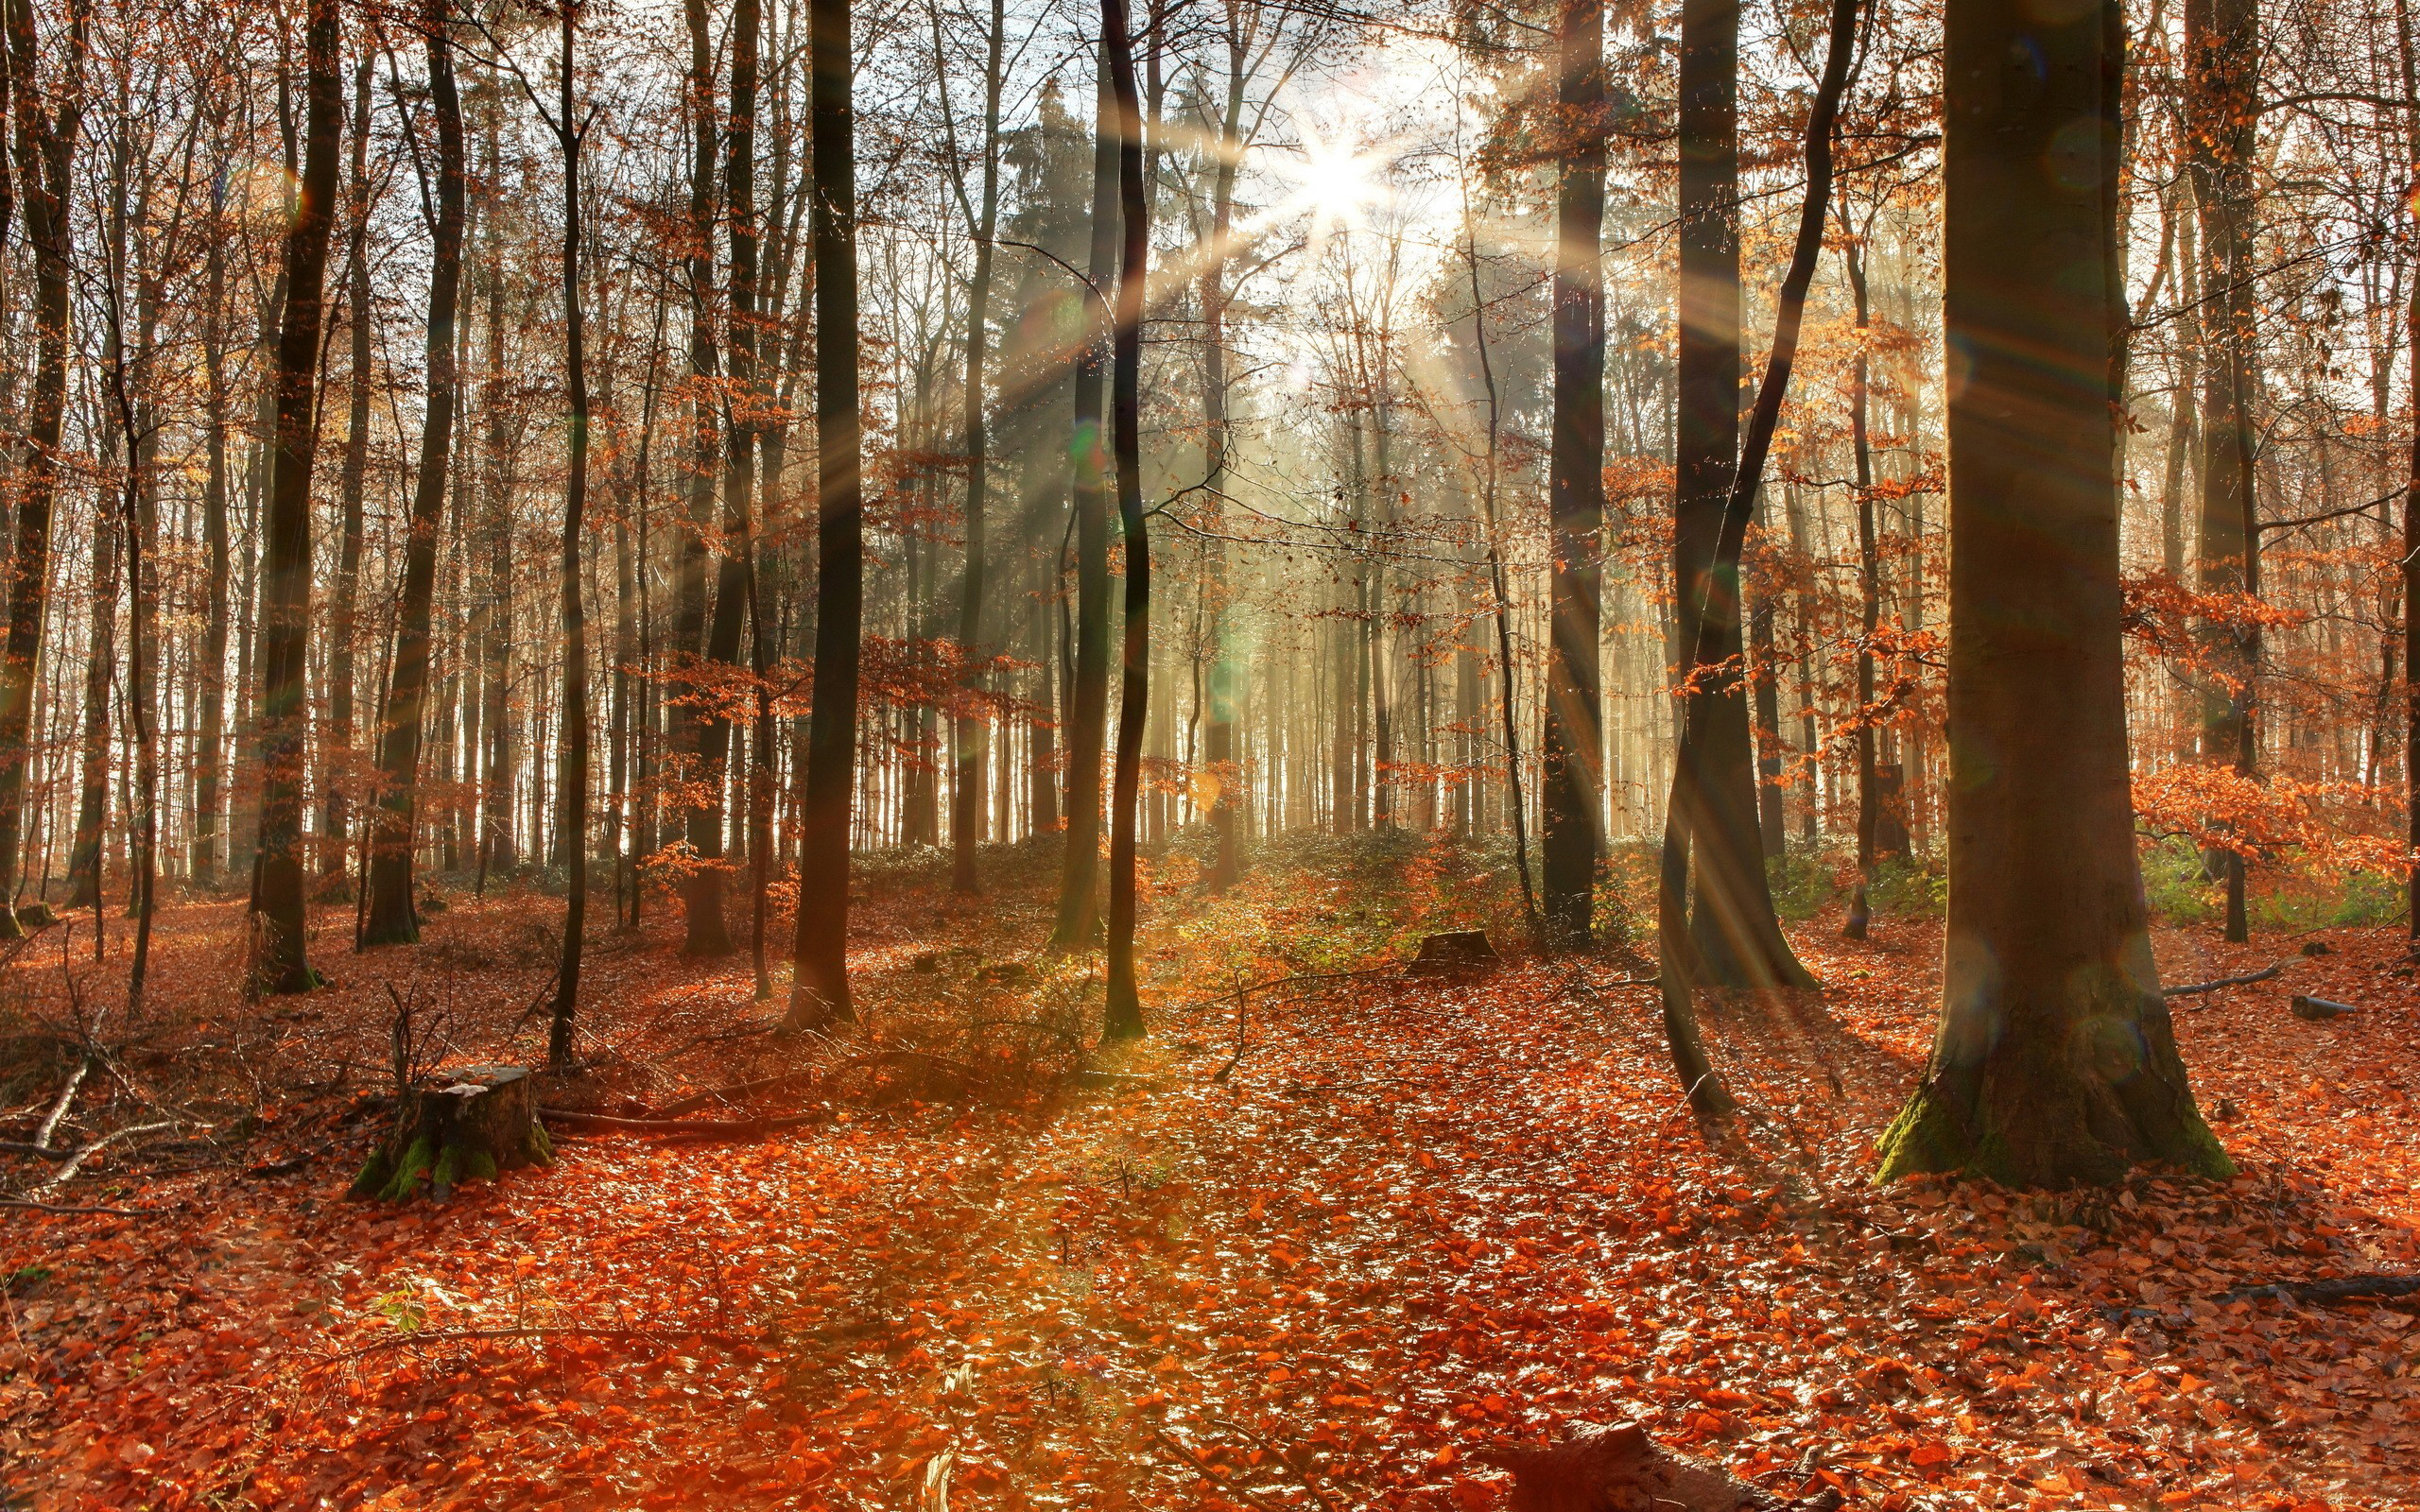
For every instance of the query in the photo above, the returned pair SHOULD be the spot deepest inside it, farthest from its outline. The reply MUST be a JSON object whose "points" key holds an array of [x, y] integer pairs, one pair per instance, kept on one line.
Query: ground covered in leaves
{"points": [[1332, 1258]]}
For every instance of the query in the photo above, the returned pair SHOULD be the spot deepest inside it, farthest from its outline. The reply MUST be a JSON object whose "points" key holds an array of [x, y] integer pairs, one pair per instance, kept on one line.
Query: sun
{"points": [[1337, 182]]}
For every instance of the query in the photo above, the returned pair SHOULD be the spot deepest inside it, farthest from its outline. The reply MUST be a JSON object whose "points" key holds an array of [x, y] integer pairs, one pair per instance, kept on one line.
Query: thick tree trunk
{"points": [[2055, 1061], [819, 989], [1570, 756], [1079, 918], [1124, 1011], [1733, 921], [283, 725], [45, 156], [391, 917]]}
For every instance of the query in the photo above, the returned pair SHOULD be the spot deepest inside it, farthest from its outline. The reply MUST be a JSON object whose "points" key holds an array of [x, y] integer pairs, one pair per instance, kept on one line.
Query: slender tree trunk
{"points": [[819, 989], [970, 730], [1124, 1012], [277, 902], [1088, 693], [336, 756], [210, 744], [1869, 582], [392, 915], [571, 788], [1737, 934], [2221, 74], [2055, 1061]]}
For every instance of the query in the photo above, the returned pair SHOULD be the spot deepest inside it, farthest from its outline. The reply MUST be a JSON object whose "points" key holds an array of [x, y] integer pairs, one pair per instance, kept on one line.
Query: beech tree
{"points": [[2055, 1061]]}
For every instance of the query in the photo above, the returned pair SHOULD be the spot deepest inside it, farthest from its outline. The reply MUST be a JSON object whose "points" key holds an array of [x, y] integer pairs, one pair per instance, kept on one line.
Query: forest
{"points": [[1547, 755]]}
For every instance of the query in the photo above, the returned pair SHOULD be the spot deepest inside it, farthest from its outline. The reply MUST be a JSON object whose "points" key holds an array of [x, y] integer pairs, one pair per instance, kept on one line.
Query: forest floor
{"points": [[1421, 1219]]}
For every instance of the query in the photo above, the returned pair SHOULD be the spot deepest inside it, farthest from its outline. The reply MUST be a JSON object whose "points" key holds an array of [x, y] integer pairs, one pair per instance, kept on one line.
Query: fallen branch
{"points": [[76, 1162], [2334, 1289], [2366, 1288], [59, 1109], [691, 1128], [2270, 974], [1299, 976]]}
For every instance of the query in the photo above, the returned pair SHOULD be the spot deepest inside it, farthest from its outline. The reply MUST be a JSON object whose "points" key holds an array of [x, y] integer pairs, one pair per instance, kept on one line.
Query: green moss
{"points": [[1922, 1141], [416, 1161], [540, 1147]]}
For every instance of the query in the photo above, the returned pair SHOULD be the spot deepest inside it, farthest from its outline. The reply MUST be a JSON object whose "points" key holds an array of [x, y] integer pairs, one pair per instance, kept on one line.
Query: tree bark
{"points": [[392, 915], [571, 787], [277, 901], [2055, 1061], [336, 756], [1079, 918], [969, 732], [1570, 756], [820, 988], [1123, 1018], [1737, 934], [2222, 49], [45, 135]]}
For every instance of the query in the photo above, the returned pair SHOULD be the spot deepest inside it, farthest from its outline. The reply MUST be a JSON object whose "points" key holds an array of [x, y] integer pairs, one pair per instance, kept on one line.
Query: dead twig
{"points": [[2267, 975]]}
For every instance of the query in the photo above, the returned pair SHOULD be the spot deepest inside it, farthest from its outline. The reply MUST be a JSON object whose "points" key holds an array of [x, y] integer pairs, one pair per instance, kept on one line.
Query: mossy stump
{"points": [[472, 1121]]}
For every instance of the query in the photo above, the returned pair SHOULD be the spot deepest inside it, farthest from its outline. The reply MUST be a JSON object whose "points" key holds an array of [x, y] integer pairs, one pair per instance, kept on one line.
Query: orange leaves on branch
{"points": [[2219, 807]]}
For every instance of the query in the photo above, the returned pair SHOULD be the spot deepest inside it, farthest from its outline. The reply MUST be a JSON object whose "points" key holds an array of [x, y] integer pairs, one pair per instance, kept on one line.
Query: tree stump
{"points": [[1461, 950], [1616, 1468], [473, 1121]]}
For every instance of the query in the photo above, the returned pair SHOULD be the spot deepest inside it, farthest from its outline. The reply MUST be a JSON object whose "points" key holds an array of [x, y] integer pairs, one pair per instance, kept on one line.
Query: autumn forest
{"points": [[1229, 754]]}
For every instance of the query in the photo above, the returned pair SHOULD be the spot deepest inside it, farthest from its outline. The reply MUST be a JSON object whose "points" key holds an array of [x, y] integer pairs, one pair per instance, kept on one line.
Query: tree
{"points": [[1737, 934], [1124, 1013], [2222, 56], [570, 128], [46, 127], [968, 745], [281, 737], [1078, 917], [820, 988], [1571, 755], [2055, 1060], [391, 916]]}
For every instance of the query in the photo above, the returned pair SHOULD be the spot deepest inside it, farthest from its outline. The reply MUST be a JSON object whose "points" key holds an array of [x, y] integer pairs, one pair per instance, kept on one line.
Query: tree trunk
{"points": [[45, 155], [1124, 1011], [2055, 1061], [336, 756], [969, 732], [1869, 581], [2222, 49], [819, 989], [277, 902], [571, 787], [1079, 918], [1570, 756], [392, 917], [1733, 921]]}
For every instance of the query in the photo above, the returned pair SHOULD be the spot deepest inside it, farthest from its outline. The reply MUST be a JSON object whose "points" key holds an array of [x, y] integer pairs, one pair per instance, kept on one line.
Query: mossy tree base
{"points": [[476, 1121], [2048, 1134]]}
